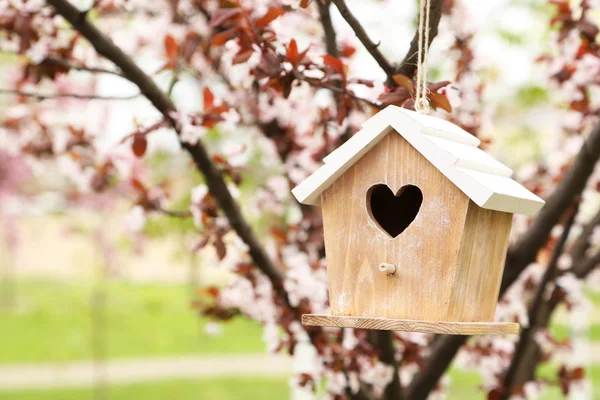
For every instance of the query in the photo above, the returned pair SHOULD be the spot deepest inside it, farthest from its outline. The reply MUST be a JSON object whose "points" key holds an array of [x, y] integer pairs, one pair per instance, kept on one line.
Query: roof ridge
{"points": [[449, 148], [471, 157]]}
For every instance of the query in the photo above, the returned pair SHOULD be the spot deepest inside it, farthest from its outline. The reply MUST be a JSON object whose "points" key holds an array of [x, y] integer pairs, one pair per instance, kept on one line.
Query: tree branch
{"points": [[214, 179], [527, 333], [66, 64], [583, 241], [95, 70], [443, 351], [362, 35], [519, 257], [409, 65], [328, 29], [567, 190], [584, 268], [337, 90], [532, 353], [51, 96], [384, 341]]}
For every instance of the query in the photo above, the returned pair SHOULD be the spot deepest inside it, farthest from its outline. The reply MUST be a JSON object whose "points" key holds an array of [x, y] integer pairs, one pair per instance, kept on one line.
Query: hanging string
{"points": [[421, 102]]}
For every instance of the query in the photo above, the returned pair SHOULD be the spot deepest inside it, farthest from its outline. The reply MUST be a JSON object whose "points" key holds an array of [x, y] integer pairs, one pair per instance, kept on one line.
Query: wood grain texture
{"points": [[441, 327], [425, 254], [480, 265]]}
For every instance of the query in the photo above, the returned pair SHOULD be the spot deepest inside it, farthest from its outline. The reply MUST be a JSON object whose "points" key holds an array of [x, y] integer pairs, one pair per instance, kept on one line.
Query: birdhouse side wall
{"points": [[425, 254], [480, 265]]}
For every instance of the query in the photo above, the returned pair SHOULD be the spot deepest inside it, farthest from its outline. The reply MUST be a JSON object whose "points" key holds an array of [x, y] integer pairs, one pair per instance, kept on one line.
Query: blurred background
{"points": [[107, 284]]}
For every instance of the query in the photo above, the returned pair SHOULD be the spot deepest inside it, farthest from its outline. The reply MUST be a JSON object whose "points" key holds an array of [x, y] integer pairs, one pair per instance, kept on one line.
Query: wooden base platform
{"points": [[388, 324]]}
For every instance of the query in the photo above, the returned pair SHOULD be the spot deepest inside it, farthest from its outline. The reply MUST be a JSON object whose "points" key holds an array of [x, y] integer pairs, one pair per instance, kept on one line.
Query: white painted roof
{"points": [[449, 148]]}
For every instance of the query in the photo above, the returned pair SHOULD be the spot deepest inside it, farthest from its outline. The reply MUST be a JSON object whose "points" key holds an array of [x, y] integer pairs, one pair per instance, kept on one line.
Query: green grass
{"points": [[560, 328], [465, 385], [560, 331], [217, 389], [53, 322]]}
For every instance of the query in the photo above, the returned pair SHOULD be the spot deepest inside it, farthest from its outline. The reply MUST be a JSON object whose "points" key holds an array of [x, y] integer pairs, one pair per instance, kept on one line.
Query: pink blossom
{"points": [[213, 329], [135, 219], [565, 262], [13, 173], [569, 283], [379, 375]]}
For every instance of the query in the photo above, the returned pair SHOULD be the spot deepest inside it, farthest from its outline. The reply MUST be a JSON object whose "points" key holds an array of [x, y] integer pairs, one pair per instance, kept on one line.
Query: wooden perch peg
{"points": [[389, 269]]}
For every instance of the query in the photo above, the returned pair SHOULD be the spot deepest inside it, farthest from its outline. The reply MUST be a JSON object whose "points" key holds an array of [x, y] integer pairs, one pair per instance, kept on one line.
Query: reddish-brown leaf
{"points": [[242, 56], [189, 45], [292, 51], [269, 65], [139, 144], [210, 121], [305, 3], [220, 248], [342, 111], [348, 50], [213, 291], [434, 87], [278, 234], [301, 56], [494, 394], [223, 14], [272, 14], [578, 373], [171, 47], [209, 98], [440, 101], [137, 185], [590, 31], [287, 82], [293, 55], [220, 109], [219, 159], [397, 97], [201, 244], [221, 38], [405, 82], [334, 63]]}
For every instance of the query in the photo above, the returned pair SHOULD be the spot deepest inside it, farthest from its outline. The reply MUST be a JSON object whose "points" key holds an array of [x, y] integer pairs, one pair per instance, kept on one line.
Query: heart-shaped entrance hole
{"points": [[394, 213]]}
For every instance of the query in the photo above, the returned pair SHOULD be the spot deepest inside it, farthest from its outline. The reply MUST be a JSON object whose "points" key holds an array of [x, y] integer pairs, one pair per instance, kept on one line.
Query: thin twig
{"points": [[361, 34], [174, 80], [174, 213], [336, 89], [582, 243], [330, 38], [69, 65], [51, 96], [79, 67]]}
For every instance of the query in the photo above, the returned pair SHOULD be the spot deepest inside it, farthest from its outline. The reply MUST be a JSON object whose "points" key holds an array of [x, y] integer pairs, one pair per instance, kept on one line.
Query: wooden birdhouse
{"points": [[416, 220]]}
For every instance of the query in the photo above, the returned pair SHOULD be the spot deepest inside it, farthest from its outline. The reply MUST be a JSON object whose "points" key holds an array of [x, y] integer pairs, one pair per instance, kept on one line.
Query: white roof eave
{"points": [[453, 151]]}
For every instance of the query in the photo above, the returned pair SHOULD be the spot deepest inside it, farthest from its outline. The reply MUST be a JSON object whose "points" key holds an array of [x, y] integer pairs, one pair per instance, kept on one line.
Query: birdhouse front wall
{"points": [[449, 257]]}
